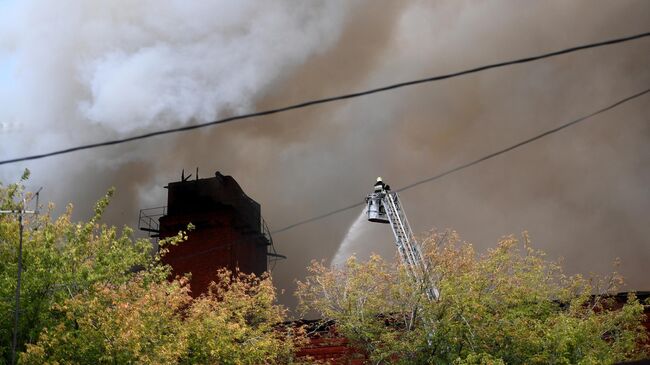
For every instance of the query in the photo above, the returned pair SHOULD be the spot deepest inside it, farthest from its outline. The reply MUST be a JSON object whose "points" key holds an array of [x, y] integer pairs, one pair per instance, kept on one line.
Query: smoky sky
{"points": [[84, 71]]}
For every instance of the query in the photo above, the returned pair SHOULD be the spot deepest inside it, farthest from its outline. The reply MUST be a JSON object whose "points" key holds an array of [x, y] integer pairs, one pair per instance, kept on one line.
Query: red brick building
{"points": [[228, 229], [326, 345]]}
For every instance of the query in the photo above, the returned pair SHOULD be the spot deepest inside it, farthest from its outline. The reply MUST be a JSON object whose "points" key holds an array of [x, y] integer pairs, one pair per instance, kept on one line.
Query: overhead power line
{"points": [[471, 163], [324, 100]]}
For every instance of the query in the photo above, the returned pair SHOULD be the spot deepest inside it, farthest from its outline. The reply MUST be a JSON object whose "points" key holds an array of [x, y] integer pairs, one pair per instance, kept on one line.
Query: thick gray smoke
{"points": [[85, 71]]}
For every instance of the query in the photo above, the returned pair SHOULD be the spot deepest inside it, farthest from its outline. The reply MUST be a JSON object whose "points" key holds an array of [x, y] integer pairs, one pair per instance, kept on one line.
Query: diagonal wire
{"points": [[474, 162], [324, 100]]}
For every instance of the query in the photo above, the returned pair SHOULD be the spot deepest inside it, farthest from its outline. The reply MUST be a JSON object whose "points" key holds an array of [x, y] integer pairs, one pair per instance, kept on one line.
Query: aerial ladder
{"points": [[384, 206]]}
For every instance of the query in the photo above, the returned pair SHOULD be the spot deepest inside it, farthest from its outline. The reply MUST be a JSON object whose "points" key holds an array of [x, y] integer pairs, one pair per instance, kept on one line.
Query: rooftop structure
{"points": [[229, 231]]}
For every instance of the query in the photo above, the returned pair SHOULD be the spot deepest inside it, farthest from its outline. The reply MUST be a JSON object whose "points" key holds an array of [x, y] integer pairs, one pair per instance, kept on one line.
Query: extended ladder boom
{"points": [[384, 206]]}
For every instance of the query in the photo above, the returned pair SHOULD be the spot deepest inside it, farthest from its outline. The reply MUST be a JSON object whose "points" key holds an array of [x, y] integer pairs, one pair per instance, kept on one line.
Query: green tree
{"points": [[152, 322], [236, 323], [61, 259], [135, 322], [508, 306]]}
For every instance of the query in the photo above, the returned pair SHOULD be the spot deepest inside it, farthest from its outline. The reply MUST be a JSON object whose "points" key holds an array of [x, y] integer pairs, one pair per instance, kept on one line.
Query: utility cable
{"points": [[324, 100], [474, 162]]}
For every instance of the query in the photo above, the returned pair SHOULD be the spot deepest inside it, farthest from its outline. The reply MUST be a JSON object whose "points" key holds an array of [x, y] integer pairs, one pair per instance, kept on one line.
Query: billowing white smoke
{"points": [[83, 71]]}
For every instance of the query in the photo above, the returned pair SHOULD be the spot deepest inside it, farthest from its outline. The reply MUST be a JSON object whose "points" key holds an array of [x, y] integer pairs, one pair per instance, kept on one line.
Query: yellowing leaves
{"points": [[509, 305], [158, 322]]}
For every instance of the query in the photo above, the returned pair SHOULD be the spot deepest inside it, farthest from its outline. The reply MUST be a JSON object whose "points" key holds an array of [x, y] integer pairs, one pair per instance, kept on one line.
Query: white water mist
{"points": [[356, 230]]}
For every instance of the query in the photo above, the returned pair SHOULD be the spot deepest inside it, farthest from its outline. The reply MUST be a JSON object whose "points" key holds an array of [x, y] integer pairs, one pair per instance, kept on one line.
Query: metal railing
{"points": [[148, 220], [272, 256]]}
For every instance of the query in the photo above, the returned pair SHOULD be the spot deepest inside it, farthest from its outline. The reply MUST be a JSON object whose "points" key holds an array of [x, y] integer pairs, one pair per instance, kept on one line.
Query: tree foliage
{"points": [[508, 306], [92, 294], [148, 321], [61, 259]]}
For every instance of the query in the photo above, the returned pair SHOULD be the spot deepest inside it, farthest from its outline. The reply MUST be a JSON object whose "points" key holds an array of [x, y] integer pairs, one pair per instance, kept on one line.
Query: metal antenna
{"points": [[38, 194]]}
